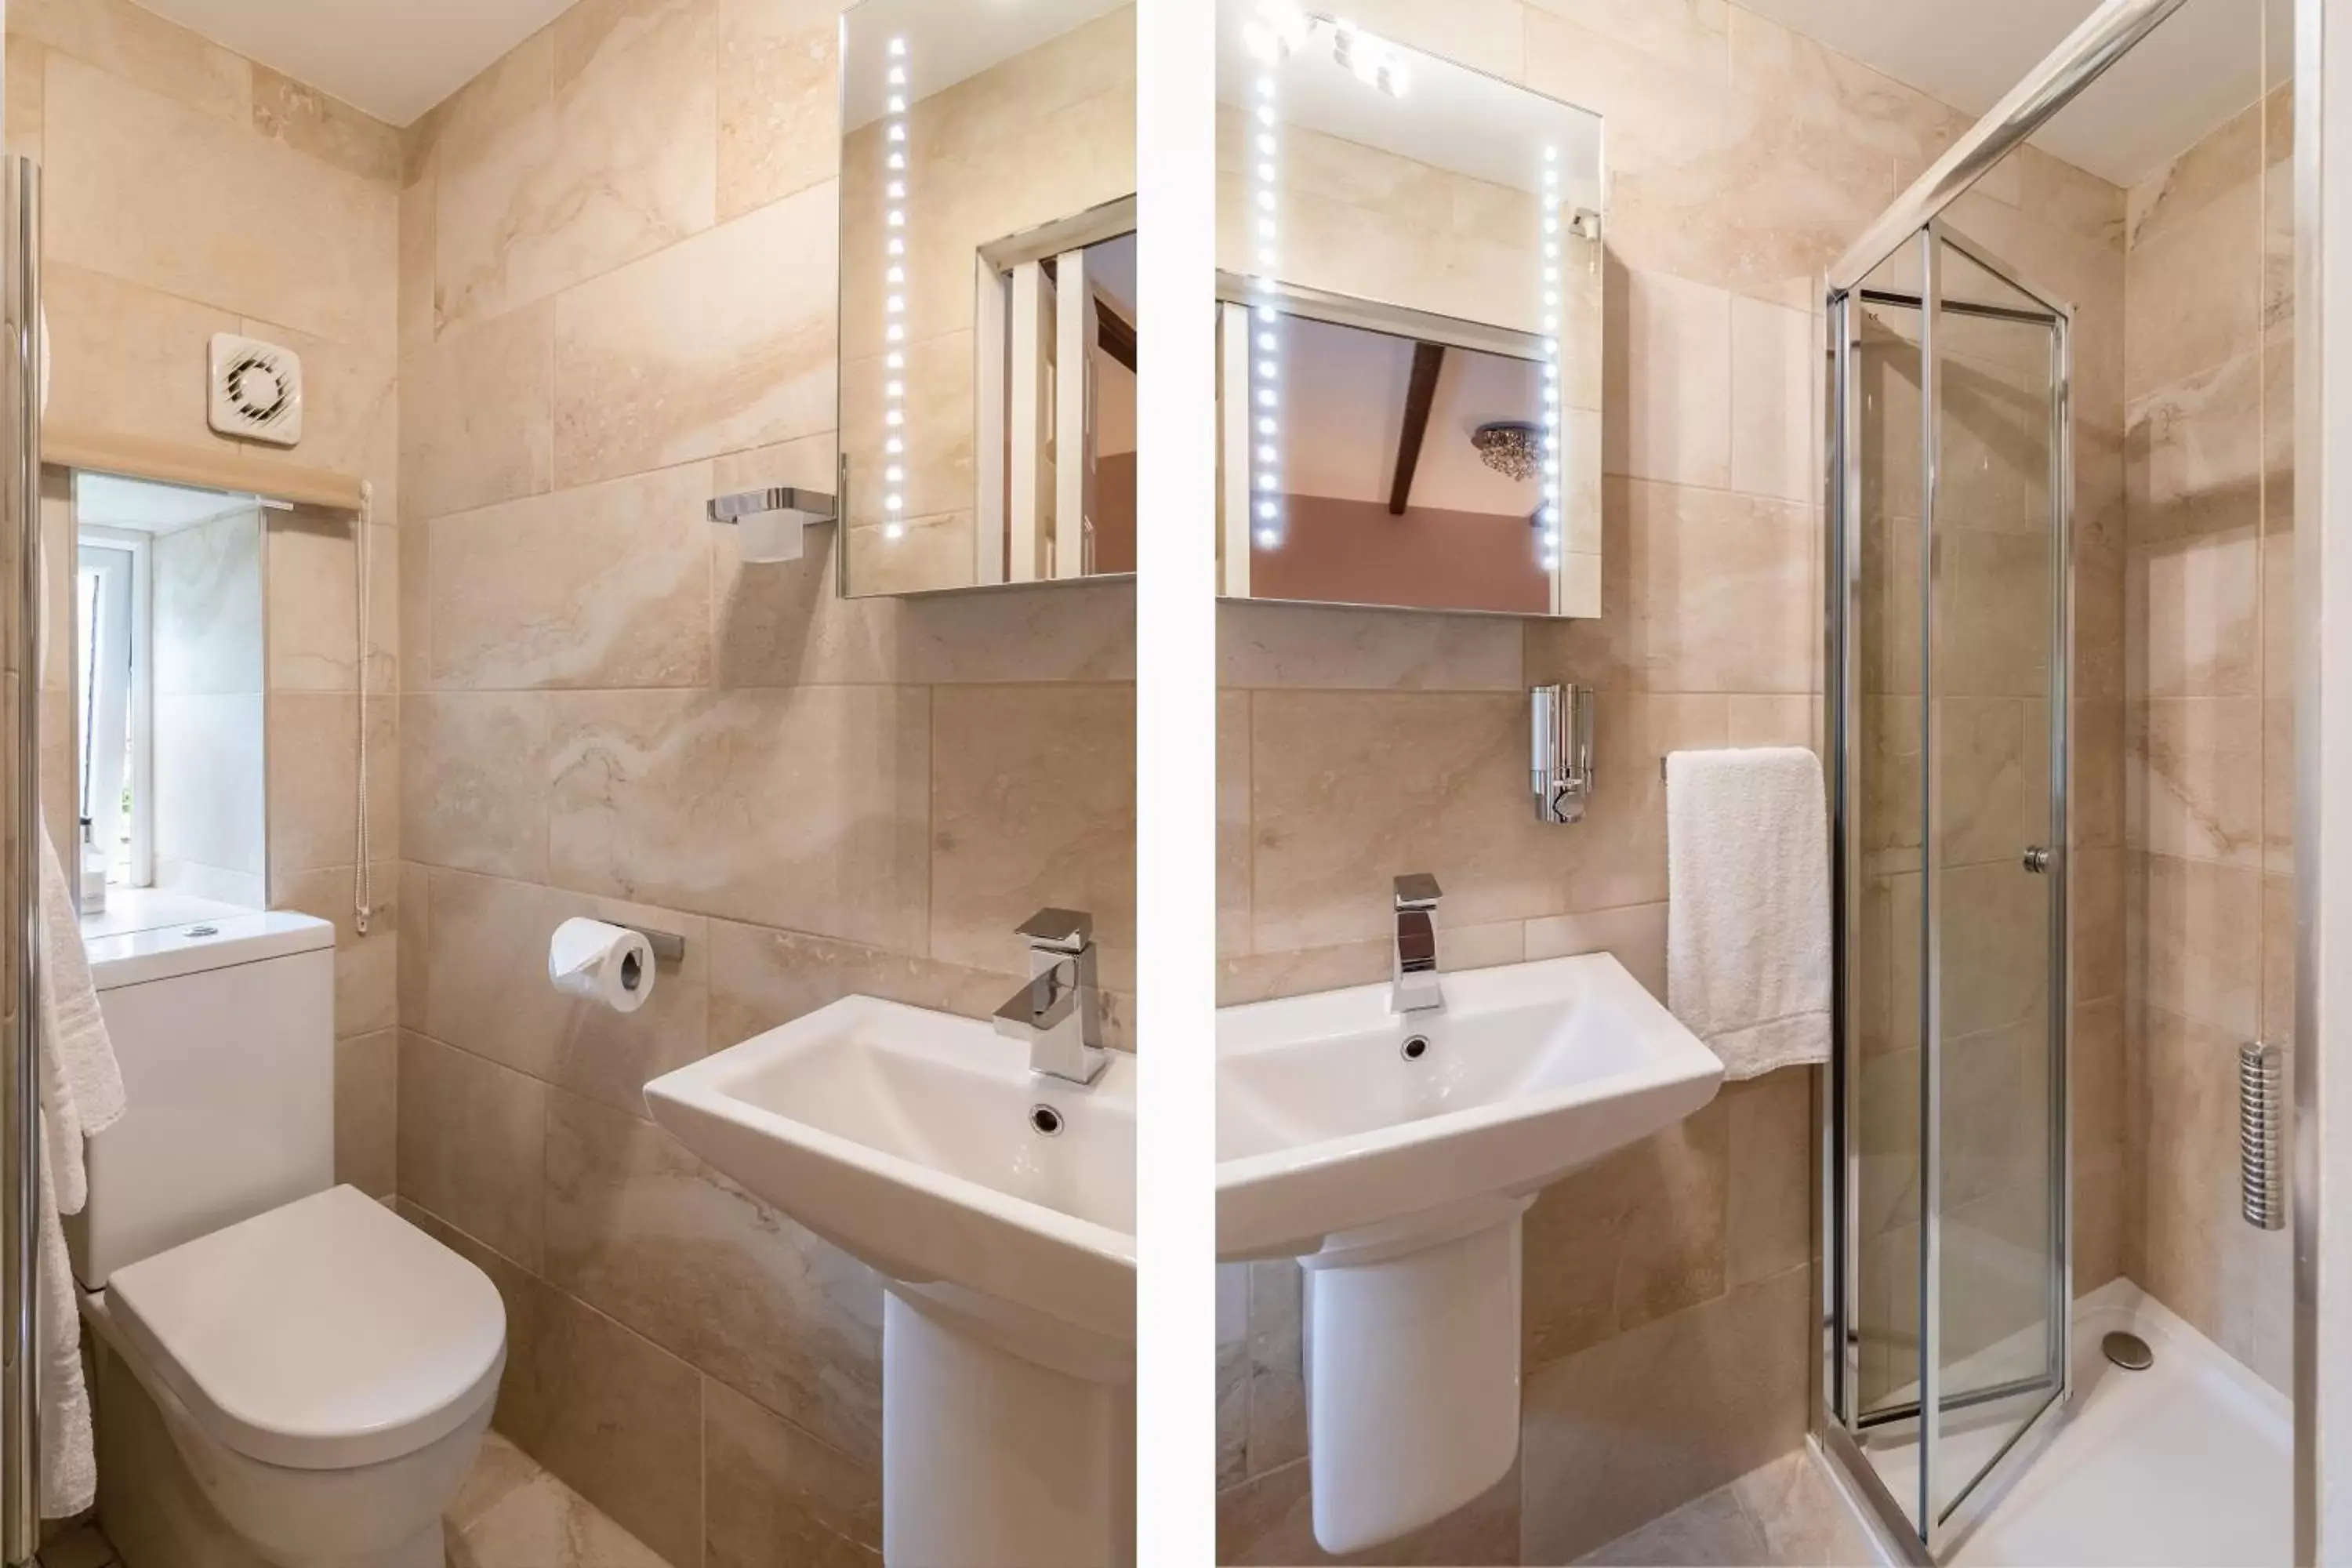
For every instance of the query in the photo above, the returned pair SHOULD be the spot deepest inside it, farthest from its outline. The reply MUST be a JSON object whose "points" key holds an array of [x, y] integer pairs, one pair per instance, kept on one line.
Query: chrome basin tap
{"points": [[1412, 982], [1059, 1011]]}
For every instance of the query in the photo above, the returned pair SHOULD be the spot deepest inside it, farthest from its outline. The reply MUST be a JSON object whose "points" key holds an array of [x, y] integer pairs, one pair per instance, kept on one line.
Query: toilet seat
{"points": [[325, 1334]]}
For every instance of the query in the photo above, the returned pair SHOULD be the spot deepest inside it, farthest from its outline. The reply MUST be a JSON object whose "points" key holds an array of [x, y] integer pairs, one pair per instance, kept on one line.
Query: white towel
{"points": [[81, 1095], [1748, 912]]}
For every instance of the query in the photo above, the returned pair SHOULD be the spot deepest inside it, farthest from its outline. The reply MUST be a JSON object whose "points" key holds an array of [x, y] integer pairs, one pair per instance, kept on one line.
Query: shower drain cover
{"points": [[2128, 1352]]}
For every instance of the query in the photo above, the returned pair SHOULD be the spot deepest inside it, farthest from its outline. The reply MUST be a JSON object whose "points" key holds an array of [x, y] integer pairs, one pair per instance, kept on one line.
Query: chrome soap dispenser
{"points": [[1562, 751]]}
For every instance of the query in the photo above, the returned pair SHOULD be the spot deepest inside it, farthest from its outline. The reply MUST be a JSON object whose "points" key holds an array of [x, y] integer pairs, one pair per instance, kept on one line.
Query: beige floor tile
{"points": [[1708, 1530], [83, 1547]]}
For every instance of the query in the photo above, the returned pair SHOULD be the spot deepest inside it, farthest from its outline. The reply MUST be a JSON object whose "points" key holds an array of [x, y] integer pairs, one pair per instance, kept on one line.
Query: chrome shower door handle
{"points": [[2037, 860]]}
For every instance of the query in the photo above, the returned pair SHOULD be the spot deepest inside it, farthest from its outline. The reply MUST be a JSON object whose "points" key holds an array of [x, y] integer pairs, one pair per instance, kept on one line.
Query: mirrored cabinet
{"points": [[988, 320], [1409, 326]]}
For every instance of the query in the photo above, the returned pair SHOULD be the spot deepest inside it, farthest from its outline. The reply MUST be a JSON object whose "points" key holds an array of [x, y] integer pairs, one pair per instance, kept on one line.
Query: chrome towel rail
{"points": [[20, 752]]}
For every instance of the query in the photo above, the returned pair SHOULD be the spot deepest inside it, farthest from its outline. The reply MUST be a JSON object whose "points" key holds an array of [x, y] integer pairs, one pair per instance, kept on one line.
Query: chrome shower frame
{"points": [[1916, 219], [1837, 1413]]}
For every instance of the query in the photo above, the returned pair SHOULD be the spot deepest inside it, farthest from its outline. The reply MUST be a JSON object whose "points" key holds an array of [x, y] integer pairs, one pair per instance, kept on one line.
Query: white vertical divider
{"points": [[1176, 788]]}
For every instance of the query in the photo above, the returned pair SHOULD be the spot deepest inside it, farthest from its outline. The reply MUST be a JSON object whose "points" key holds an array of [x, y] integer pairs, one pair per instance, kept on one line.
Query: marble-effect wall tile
{"points": [[701, 348], [1033, 803], [618, 162], [604, 712], [605, 586], [806, 808], [640, 1229], [180, 201]]}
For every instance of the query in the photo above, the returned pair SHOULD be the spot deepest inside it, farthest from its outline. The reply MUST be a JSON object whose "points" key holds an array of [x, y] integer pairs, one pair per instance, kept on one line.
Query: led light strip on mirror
{"points": [[894, 300], [1277, 31], [1549, 516]]}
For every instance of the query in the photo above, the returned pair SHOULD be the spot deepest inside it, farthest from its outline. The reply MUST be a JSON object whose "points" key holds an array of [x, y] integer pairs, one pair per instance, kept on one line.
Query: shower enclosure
{"points": [[1948, 1200], [1951, 554]]}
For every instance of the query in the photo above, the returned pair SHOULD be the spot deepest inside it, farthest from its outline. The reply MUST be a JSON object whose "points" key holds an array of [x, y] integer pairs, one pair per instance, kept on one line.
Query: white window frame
{"points": [[1036, 494], [1034, 505], [123, 559]]}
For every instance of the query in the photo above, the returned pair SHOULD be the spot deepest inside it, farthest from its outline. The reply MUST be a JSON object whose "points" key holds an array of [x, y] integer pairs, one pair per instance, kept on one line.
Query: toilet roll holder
{"points": [[667, 945]]}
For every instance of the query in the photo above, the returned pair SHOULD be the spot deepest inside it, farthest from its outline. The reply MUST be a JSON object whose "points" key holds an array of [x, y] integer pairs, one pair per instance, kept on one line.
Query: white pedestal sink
{"points": [[999, 1209], [1394, 1156]]}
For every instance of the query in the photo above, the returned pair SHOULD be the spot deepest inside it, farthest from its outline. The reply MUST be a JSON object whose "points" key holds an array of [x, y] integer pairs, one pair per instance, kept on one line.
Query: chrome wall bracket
{"points": [[668, 947], [813, 506]]}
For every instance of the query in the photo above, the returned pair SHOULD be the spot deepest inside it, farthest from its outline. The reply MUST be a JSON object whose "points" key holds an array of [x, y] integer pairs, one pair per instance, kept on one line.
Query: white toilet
{"points": [[324, 1369]]}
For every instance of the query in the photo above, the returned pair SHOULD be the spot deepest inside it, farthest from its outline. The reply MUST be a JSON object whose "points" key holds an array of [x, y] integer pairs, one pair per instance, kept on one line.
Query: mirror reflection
{"points": [[988, 322], [1410, 326]]}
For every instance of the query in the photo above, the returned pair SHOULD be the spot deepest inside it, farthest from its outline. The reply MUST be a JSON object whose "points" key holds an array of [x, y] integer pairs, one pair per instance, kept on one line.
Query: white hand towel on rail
{"points": [[1748, 912], [81, 1095]]}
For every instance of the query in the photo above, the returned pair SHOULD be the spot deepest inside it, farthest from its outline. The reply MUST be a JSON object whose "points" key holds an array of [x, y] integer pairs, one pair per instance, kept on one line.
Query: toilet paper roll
{"points": [[606, 963]]}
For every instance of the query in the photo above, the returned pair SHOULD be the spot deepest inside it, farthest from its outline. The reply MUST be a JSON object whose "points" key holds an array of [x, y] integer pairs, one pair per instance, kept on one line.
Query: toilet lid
{"points": [[322, 1335]]}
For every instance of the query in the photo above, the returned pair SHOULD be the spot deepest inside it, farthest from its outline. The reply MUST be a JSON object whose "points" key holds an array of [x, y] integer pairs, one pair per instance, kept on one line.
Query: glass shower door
{"points": [[1996, 1289], [1950, 671]]}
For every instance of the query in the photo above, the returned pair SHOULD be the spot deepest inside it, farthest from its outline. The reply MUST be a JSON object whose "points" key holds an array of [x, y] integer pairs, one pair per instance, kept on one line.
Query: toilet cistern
{"points": [[1413, 977], [1059, 1013]]}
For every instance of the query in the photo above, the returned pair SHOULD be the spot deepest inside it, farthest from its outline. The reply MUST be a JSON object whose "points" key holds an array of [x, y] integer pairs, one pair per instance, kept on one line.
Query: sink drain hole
{"points": [[1415, 1049], [1045, 1121]]}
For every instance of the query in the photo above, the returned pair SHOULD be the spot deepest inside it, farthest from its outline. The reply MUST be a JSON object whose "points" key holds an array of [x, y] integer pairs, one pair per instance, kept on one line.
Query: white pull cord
{"points": [[362, 886]]}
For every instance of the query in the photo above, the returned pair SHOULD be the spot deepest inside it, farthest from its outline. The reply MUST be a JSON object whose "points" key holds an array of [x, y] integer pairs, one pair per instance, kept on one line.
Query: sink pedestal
{"points": [[1412, 1369], [1008, 1441]]}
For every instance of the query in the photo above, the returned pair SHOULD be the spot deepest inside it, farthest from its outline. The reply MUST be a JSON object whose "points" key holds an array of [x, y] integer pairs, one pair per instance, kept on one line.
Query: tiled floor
{"points": [[1785, 1515], [510, 1514], [513, 1514], [85, 1546]]}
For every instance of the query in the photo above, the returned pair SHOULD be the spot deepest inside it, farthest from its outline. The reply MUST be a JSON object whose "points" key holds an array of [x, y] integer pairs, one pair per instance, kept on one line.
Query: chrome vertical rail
{"points": [[1931, 886], [1842, 1084], [2322, 591], [20, 752]]}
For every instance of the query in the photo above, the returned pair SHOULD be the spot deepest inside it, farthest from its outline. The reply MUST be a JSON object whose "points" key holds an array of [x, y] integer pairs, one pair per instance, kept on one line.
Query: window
{"points": [[116, 705]]}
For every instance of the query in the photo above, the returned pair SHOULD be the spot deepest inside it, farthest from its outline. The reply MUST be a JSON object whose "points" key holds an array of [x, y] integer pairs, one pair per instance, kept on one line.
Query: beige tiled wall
{"points": [[190, 190], [617, 300], [1668, 1300], [2210, 369], [601, 279]]}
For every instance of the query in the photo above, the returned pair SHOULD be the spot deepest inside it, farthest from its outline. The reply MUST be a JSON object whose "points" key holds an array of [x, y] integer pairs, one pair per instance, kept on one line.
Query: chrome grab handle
{"points": [[2037, 860], [2262, 1118]]}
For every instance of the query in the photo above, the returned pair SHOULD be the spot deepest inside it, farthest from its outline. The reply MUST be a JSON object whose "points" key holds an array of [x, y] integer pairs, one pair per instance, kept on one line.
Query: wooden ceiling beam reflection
{"points": [[1420, 397]]}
